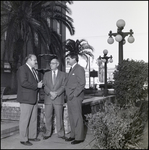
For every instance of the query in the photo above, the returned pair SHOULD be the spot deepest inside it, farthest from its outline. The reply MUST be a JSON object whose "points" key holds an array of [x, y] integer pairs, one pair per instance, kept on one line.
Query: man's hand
{"points": [[53, 95], [40, 84]]}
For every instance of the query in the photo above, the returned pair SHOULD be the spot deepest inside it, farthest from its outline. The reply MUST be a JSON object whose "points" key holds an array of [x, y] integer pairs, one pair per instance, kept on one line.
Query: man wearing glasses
{"points": [[54, 98]]}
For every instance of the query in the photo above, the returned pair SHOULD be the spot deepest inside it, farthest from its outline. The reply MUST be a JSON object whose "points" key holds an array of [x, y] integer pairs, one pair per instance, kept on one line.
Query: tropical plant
{"points": [[131, 82], [79, 47], [27, 21]]}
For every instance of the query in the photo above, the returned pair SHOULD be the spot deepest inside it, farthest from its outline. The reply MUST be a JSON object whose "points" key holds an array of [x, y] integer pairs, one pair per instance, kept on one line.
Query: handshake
{"points": [[40, 84]]}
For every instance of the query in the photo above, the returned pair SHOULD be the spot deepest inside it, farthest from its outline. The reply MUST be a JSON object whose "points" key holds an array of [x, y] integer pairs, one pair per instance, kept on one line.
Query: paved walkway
{"points": [[13, 142]]}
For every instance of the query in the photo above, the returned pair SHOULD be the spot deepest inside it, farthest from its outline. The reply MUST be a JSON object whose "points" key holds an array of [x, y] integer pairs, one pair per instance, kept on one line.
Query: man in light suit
{"points": [[74, 87], [54, 98], [28, 88]]}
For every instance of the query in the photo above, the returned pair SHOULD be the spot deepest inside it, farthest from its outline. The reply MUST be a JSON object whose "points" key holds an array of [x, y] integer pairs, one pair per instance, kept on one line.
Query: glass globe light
{"points": [[110, 40], [105, 51], [118, 38], [131, 39], [120, 23]]}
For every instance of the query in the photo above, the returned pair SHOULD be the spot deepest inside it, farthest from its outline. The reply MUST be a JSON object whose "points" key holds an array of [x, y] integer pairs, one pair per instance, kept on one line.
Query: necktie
{"points": [[35, 75], [54, 77]]}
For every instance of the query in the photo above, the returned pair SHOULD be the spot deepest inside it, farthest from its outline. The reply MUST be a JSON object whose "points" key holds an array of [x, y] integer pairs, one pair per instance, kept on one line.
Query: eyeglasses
{"points": [[53, 63]]}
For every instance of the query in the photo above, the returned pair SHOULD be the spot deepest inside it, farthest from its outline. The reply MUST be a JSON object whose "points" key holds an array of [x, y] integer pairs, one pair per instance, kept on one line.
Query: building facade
{"points": [[6, 70]]}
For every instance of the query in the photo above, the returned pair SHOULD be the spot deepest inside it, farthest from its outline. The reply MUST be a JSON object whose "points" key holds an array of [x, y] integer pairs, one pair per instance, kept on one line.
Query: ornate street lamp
{"points": [[120, 37], [105, 60]]}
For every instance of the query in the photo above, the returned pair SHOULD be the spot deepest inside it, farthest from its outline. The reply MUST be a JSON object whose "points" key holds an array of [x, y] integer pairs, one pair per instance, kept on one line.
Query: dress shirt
{"points": [[56, 71], [34, 74], [73, 65]]}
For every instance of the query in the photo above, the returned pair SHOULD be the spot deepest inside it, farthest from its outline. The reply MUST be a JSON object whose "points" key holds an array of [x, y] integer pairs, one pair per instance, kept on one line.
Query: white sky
{"points": [[94, 19]]}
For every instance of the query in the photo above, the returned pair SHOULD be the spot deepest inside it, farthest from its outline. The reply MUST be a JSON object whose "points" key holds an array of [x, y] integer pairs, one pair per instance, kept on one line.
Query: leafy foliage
{"points": [[120, 125], [26, 24], [131, 82], [79, 47], [29, 19], [116, 127]]}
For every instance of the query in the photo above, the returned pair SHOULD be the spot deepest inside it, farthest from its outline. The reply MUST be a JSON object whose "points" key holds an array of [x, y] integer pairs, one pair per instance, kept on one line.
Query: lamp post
{"points": [[105, 60], [120, 37]]}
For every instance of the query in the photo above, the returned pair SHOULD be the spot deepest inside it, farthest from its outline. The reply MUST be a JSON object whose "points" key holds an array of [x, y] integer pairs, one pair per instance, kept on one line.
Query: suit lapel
{"points": [[29, 70], [50, 78], [73, 69]]}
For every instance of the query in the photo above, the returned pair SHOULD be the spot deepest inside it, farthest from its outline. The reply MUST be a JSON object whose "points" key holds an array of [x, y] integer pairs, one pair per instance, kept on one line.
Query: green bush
{"points": [[130, 80], [118, 127]]}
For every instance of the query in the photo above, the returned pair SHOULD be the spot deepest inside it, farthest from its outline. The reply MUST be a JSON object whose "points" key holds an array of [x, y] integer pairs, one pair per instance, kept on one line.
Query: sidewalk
{"points": [[13, 142], [9, 128], [10, 139]]}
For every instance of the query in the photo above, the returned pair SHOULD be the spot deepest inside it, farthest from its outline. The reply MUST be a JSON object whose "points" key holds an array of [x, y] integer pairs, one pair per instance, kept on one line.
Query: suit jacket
{"points": [[27, 86], [75, 83], [58, 87]]}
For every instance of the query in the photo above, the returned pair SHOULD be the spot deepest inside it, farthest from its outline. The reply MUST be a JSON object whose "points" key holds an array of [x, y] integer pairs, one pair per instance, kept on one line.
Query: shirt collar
{"points": [[73, 65], [55, 71], [29, 66]]}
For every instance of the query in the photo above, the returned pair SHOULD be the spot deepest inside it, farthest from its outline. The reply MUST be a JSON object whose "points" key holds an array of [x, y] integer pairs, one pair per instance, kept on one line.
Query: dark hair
{"points": [[54, 57], [74, 55], [29, 56]]}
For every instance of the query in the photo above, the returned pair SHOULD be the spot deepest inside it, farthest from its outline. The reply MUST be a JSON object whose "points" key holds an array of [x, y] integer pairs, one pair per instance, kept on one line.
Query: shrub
{"points": [[130, 80], [117, 127]]}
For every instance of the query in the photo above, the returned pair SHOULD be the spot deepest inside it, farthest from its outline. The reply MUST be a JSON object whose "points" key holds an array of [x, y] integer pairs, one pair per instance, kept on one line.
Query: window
{"points": [[58, 28], [7, 67]]}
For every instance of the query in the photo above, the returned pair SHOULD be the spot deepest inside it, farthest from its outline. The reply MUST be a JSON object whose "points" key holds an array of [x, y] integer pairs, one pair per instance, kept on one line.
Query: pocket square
{"points": [[73, 74]]}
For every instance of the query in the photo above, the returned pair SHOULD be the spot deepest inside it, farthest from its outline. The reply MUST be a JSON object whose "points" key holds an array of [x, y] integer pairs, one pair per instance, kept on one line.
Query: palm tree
{"points": [[79, 47], [58, 13], [26, 21]]}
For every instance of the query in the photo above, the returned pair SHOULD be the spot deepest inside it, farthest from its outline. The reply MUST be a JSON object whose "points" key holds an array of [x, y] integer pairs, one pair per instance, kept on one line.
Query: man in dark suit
{"points": [[54, 98], [27, 94], [74, 87]]}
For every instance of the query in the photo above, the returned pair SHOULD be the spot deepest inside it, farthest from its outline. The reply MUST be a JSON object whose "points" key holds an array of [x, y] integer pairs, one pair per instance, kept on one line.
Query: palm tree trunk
{"points": [[63, 63]]}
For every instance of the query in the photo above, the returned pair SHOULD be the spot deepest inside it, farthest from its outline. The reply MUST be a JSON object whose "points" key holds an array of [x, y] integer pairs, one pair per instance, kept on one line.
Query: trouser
{"points": [[58, 109], [28, 121], [76, 118]]}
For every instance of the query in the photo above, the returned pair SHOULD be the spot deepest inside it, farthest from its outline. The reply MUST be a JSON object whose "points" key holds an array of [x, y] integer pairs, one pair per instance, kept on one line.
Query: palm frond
{"points": [[80, 47]]}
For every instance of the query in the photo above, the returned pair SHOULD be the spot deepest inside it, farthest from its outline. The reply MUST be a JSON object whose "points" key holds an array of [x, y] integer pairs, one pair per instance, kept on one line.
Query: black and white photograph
{"points": [[74, 75]]}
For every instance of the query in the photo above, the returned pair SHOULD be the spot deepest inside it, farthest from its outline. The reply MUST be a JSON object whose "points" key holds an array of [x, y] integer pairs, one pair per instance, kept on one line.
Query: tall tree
{"points": [[80, 47], [27, 21]]}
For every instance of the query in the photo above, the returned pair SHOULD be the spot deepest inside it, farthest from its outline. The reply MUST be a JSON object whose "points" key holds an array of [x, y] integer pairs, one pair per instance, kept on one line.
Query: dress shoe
{"points": [[69, 139], [27, 143], [46, 137], [76, 141], [34, 140], [62, 137]]}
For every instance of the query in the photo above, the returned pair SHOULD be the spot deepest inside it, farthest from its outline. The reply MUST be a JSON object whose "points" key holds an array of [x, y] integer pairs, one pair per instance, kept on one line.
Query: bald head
{"points": [[31, 59]]}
